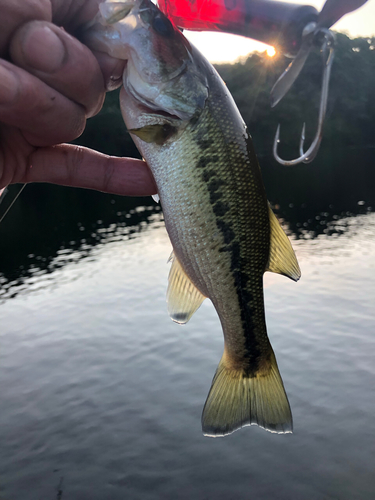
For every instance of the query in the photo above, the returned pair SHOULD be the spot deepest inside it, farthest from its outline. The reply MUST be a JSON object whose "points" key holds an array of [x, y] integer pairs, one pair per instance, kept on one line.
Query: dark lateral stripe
{"points": [[208, 174], [215, 184], [207, 163], [227, 231], [246, 299], [205, 160], [205, 143], [220, 208]]}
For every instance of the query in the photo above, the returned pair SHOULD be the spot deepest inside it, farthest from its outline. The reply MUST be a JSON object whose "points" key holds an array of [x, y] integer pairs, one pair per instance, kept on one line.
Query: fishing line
{"points": [[13, 201], [3, 192]]}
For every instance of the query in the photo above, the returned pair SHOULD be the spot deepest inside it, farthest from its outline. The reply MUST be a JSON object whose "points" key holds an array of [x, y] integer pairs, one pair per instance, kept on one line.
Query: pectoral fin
{"points": [[282, 258], [157, 133], [183, 297]]}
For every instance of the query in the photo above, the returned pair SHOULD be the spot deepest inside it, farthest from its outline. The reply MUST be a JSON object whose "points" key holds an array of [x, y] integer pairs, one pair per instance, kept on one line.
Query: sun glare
{"points": [[271, 52]]}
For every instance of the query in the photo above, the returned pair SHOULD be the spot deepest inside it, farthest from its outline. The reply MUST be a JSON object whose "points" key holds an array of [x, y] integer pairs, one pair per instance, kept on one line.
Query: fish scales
{"points": [[224, 235], [222, 193]]}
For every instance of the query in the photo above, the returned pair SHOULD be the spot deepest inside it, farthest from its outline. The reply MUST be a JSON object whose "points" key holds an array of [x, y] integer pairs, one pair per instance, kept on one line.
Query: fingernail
{"points": [[8, 86], [43, 49]]}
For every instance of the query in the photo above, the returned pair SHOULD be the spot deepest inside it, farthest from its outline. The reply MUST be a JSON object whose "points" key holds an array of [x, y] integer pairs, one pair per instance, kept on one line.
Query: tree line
{"points": [[350, 119]]}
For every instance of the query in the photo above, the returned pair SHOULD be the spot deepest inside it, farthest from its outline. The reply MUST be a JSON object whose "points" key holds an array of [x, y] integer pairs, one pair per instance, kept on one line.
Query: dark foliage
{"points": [[350, 117]]}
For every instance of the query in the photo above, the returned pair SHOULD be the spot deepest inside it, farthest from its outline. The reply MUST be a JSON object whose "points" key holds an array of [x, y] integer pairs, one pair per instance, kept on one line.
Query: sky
{"points": [[219, 47]]}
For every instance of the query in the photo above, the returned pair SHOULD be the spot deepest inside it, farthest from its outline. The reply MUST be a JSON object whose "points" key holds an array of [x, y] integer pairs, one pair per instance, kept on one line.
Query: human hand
{"points": [[50, 83]]}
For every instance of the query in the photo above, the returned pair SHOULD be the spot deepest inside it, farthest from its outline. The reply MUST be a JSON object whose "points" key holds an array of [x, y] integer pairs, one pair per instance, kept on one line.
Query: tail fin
{"points": [[236, 400]]}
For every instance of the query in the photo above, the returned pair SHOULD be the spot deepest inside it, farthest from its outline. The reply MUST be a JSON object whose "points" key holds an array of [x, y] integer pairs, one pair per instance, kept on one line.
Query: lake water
{"points": [[101, 393]]}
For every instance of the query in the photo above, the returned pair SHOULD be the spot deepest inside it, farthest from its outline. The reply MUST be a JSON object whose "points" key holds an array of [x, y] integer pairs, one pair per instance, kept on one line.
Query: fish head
{"points": [[161, 74]]}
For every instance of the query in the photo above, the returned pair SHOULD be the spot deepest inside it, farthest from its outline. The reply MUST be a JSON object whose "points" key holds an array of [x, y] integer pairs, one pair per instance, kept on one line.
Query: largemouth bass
{"points": [[224, 234]]}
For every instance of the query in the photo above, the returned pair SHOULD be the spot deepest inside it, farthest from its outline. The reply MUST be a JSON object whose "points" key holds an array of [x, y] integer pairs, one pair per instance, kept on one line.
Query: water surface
{"points": [[101, 393]]}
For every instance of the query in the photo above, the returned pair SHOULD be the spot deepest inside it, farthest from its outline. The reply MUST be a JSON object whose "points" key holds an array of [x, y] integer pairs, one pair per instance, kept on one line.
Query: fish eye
{"points": [[162, 25]]}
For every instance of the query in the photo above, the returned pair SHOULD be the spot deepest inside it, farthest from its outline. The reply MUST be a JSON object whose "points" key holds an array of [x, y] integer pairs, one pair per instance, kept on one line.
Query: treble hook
{"points": [[309, 155]]}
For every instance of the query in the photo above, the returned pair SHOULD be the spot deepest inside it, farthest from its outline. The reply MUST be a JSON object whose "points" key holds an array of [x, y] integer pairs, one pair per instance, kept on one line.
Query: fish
{"points": [[223, 231]]}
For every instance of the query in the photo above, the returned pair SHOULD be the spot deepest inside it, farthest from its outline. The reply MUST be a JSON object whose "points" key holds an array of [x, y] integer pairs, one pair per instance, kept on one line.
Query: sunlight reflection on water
{"points": [[99, 387]]}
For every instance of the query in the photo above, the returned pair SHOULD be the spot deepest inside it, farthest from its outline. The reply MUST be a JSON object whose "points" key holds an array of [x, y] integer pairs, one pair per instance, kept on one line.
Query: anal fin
{"points": [[183, 297]]}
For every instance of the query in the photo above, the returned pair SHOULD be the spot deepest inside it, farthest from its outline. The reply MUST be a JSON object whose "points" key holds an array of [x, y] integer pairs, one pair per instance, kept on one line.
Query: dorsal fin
{"points": [[282, 258], [183, 297]]}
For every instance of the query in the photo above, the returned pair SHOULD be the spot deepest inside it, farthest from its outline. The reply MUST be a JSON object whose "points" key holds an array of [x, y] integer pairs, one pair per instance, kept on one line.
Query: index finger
{"points": [[77, 166]]}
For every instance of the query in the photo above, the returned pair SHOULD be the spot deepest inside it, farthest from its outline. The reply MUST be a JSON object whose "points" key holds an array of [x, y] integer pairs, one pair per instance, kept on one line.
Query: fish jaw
{"points": [[160, 71]]}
